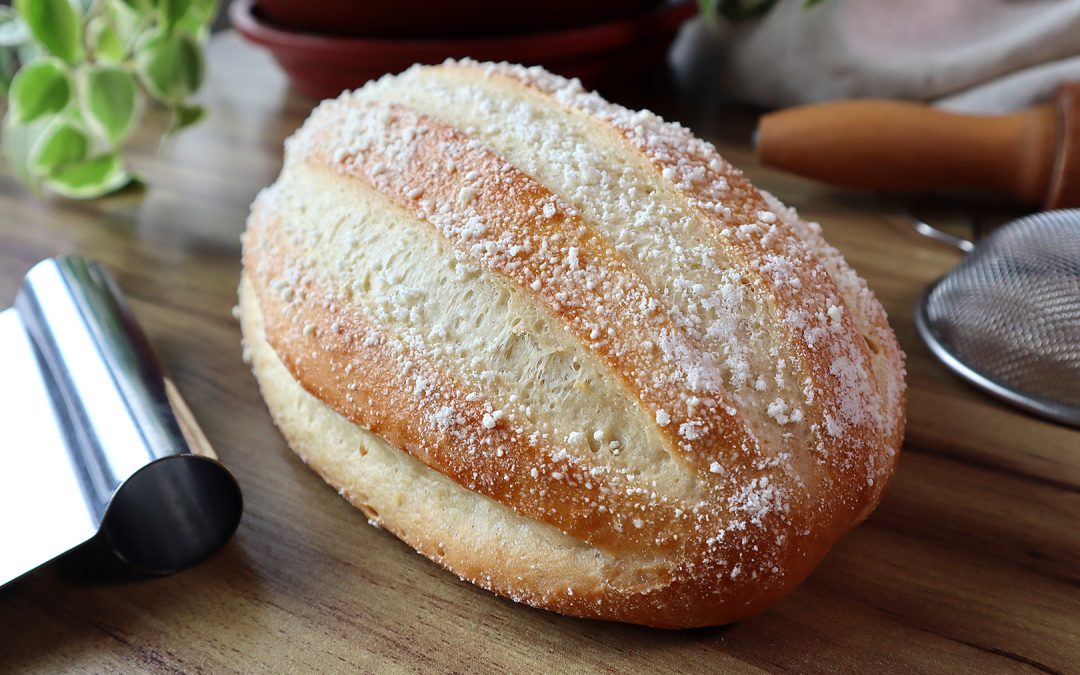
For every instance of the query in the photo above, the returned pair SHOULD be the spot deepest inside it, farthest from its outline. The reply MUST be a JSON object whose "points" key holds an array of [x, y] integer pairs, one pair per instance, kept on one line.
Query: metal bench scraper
{"points": [[97, 441]]}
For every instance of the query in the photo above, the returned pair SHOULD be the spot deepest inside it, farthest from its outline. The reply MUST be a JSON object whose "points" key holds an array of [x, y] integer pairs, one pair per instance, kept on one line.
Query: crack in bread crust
{"points": [[401, 494], [364, 373], [505, 223], [854, 418]]}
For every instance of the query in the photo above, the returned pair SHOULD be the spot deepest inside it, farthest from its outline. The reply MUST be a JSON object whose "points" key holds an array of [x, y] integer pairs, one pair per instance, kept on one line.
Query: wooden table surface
{"points": [[971, 563]]}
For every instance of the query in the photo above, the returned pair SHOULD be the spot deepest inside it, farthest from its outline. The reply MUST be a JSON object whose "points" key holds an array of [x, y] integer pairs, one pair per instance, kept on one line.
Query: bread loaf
{"points": [[564, 349]]}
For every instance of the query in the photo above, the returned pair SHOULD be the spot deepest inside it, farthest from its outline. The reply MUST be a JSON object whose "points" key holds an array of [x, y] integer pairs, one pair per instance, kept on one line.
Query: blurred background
{"points": [[1002, 61]]}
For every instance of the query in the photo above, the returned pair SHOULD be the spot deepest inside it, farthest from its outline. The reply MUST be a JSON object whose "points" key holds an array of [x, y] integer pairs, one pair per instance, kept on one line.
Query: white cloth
{"points": [[986, 56]]}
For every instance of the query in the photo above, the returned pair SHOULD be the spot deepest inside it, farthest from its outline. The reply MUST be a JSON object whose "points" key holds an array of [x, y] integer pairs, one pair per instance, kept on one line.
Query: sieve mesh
{"points": [[1008, 318]]}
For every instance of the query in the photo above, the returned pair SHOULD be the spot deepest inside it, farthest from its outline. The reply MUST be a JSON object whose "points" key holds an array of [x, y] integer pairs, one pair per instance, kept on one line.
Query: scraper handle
{"points": [[901, 146]]}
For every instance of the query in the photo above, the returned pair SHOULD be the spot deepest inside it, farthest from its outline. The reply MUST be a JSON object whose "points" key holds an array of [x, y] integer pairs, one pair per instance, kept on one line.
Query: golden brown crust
{"points": [[511, 207], [736, 523], [364, 374], [796, 283]]}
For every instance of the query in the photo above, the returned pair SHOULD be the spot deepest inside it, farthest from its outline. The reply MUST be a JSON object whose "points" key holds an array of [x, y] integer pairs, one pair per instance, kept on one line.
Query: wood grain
{"points": [[972, 563]]}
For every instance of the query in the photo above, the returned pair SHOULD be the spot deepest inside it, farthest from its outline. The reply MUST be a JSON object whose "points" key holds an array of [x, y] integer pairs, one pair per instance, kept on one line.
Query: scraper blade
{"points": [[97, 443]]}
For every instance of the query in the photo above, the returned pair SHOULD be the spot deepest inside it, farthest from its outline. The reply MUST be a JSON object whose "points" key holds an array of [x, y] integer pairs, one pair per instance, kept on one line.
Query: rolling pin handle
{"points": [[902, 146]]}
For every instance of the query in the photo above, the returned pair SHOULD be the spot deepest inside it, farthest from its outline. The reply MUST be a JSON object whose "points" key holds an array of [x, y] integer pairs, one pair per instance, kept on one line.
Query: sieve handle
{"points": [[930, 232]]}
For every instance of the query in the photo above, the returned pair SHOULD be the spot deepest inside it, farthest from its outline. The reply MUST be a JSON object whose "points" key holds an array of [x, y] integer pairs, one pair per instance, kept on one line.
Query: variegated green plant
{"points": [[77, 76]]}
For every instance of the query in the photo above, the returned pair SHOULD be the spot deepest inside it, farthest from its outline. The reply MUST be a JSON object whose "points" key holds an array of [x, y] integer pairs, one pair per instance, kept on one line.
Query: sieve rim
{"points": [[1052, 410]]}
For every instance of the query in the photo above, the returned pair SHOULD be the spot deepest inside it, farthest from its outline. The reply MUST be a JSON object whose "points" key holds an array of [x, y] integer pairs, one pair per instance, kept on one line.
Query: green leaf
{"points": [[122, 19], [104, 40], [193, 27], [56, 25], [18, 139], [172, 11], [186, 115], [203, 9], [62, 143], [107, 101], [13, 31], [198, 17], [40, 88], [171, 67], [90, 178]]}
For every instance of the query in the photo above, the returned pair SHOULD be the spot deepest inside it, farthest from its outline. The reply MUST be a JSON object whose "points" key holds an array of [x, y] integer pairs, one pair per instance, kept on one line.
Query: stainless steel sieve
{"points": [[1007, 319]]}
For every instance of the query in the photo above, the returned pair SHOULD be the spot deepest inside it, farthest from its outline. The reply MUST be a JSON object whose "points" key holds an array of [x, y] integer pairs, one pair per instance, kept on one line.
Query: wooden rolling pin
{"points": [[899, 146]]}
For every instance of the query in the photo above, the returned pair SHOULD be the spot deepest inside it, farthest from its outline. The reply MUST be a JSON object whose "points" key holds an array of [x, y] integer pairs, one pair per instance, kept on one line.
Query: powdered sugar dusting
{"points": [[795, 275], [669, 279], [502, 227]]}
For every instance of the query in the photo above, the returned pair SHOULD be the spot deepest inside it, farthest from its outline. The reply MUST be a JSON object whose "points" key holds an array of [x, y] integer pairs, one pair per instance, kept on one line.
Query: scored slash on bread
{"points": [[564, 349]]}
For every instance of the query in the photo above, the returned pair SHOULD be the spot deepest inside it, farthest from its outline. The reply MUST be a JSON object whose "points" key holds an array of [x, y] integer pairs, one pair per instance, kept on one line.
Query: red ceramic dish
{"points": [[323, 65], [442, 19]]}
